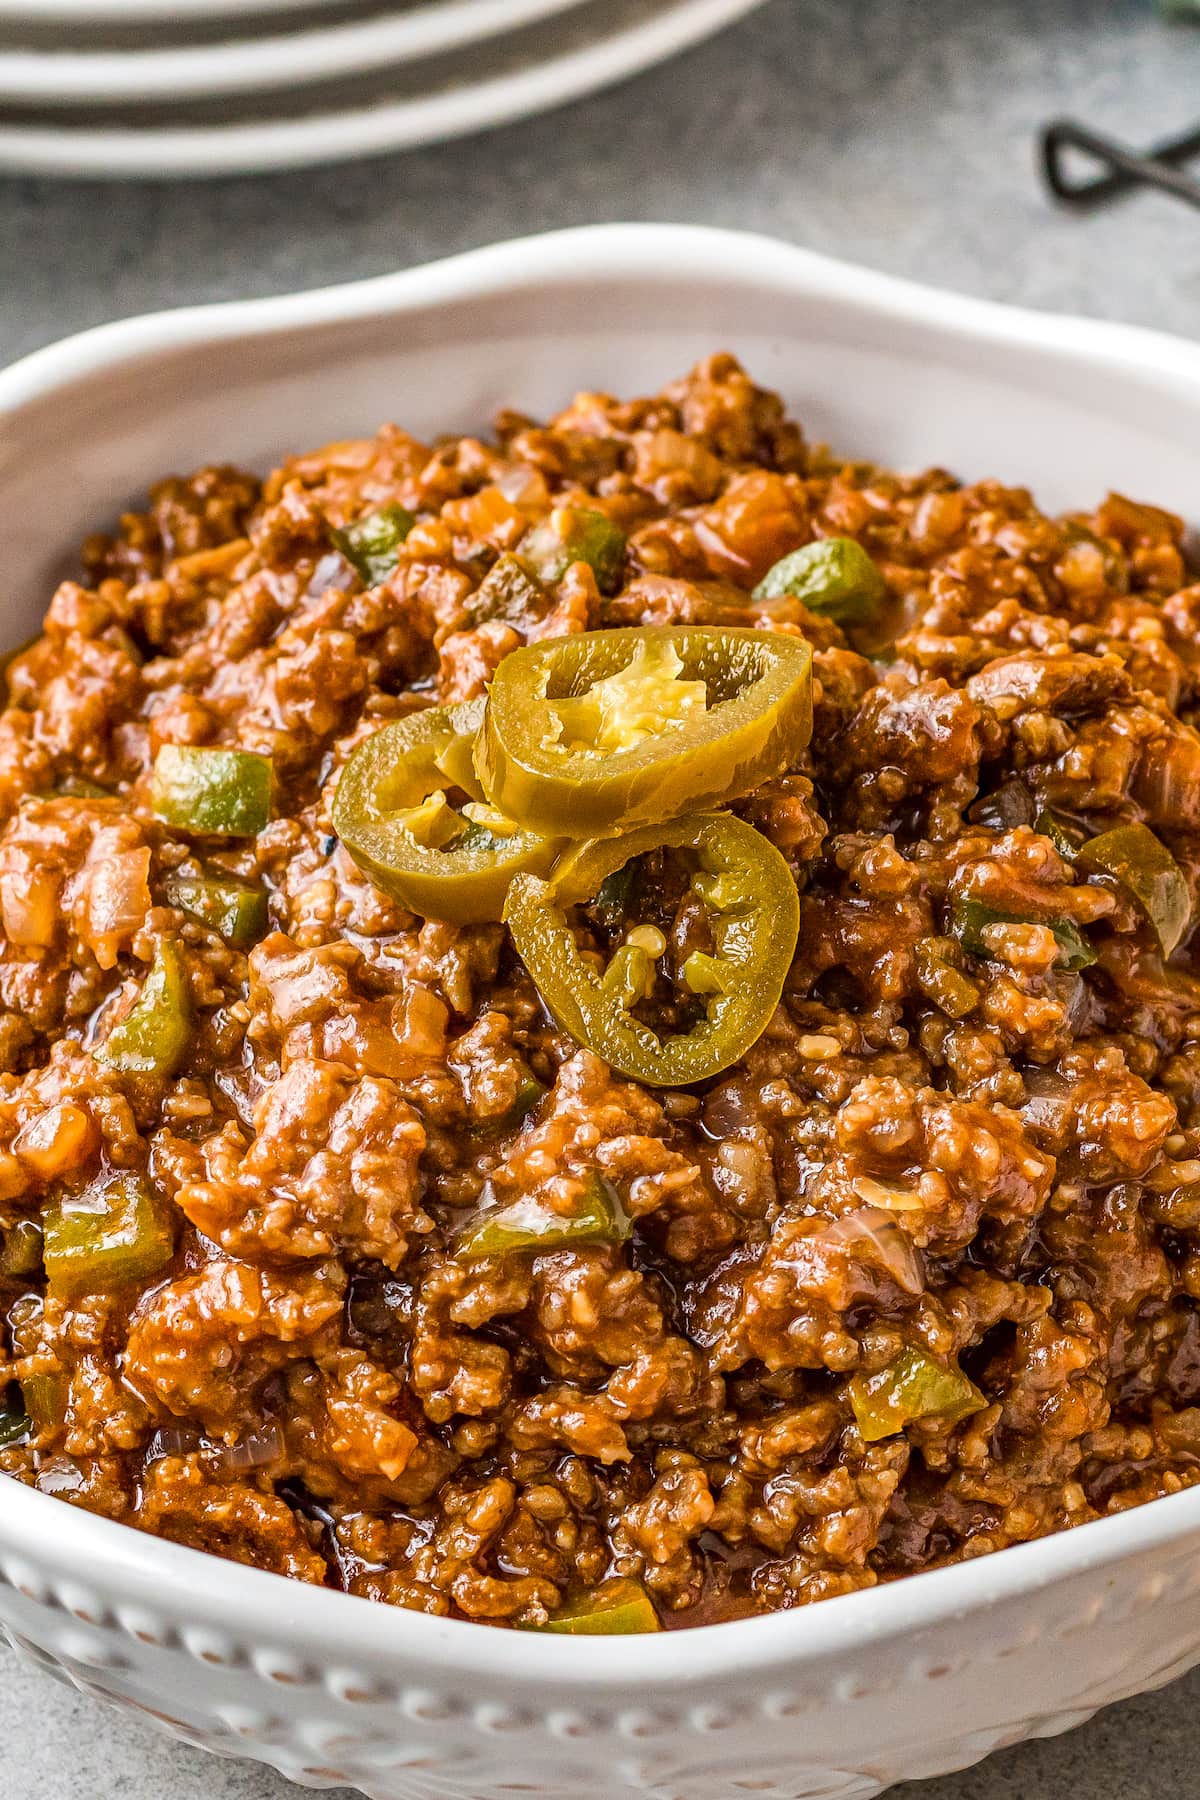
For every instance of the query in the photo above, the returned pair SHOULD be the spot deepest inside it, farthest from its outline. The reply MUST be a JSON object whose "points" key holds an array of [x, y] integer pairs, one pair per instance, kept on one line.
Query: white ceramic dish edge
{"points": [[833, 1700]]}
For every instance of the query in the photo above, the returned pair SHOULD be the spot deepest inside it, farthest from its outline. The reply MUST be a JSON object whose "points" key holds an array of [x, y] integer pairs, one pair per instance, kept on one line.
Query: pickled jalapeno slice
{"points": [[750, 898], [392, 812], [609, 730]]}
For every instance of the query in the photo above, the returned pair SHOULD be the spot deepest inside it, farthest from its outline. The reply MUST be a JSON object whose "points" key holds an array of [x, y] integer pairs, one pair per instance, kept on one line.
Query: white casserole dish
{"points": [[838, 1699]]}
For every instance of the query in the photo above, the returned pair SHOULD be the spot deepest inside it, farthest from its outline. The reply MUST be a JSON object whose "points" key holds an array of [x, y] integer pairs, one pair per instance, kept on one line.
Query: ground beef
{"points": [[987, 1155]]}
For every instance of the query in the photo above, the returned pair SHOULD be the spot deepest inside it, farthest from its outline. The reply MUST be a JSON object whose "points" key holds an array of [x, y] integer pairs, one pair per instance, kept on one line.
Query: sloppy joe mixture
{"points": [[597, 1027]]}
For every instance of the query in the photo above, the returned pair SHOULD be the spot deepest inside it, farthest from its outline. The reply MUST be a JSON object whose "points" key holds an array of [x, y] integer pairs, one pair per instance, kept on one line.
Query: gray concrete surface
{"points": [[895, 132]]}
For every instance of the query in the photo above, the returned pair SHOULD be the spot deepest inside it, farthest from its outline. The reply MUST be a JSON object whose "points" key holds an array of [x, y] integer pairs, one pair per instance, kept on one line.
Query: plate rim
{"points": [[280, 58], [154, 153], [136, 13]]}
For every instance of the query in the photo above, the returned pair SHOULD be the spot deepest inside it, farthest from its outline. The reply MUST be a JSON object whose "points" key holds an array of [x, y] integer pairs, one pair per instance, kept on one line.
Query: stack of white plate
{"points": [[150, 88]]}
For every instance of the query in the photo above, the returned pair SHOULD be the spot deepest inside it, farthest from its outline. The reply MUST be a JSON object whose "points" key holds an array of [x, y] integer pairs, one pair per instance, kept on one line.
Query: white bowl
{"points": [[838, 1699]]}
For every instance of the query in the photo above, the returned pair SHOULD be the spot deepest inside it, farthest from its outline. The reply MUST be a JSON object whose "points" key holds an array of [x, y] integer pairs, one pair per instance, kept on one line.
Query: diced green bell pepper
{"points": [[530, 1093], [215, 793], [914, 1386], [1067, 839], [507, 592], [14, 1427], [1145, 868], [969, 919], [599, 1218], [575, 534], [232, 909], [834, 577], [108, 1237], [153, 1037], [45, 1398], [372, 543], [617, 1608]]}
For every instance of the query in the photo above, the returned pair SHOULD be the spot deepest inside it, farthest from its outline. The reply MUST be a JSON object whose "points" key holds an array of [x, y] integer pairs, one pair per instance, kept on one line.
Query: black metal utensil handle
{"points": [[1124, 169]]}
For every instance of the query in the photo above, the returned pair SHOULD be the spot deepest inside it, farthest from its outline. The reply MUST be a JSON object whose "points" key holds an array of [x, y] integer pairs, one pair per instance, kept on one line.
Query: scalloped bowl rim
{"points": [[151, 1570]]}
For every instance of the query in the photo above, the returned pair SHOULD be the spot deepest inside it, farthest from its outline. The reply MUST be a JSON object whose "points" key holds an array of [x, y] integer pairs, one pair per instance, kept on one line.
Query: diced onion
{"points": [[891, 1199], [1048, 1108], [29, 907], [173, 1440], [114, 901], [1166, 781], [257, 1451], [59, 1476], [877, 1233]]}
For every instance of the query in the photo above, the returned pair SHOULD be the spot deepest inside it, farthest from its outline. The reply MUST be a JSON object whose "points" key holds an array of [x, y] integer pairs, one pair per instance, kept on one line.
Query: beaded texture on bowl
{"points": [[837, 1728]]}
